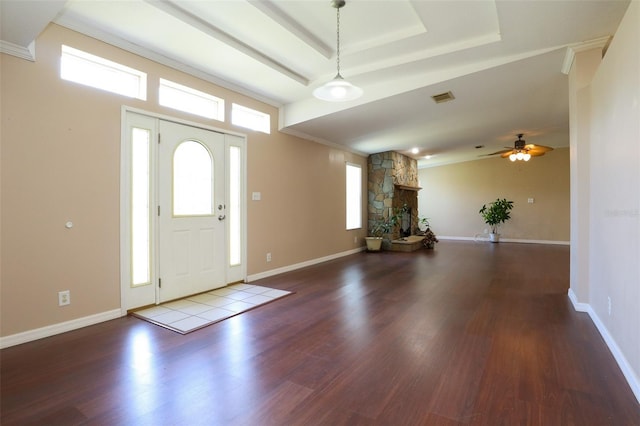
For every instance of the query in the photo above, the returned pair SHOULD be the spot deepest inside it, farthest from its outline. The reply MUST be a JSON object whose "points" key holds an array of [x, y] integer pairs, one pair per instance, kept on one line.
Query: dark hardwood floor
{"points": [[468, 334]]}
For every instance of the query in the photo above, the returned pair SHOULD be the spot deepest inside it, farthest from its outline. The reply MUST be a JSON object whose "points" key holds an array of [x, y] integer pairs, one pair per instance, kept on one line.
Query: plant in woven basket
{"points": [[429, 239]]}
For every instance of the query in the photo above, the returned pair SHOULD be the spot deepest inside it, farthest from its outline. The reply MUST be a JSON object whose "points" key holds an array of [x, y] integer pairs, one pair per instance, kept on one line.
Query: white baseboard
{"points": [[293, 267], [300, 265], [485, 238], [63, 327], [624, 365], [578, 306]]}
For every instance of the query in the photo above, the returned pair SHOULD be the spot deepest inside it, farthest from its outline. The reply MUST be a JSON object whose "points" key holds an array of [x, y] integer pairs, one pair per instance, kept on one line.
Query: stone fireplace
{"points": [[393, 185]]}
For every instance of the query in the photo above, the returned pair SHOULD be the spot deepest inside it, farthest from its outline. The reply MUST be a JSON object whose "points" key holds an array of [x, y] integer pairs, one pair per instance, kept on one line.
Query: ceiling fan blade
{"points": [[498, 152], [534, 150], [531, 147]]}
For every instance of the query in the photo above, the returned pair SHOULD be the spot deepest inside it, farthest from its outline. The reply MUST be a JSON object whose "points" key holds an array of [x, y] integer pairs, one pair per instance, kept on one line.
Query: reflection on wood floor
{"points": [[468, 333]]}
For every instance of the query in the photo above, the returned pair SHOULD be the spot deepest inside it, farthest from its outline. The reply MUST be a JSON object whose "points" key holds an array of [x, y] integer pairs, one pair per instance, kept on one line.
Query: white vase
{"points": [[494, 238]]}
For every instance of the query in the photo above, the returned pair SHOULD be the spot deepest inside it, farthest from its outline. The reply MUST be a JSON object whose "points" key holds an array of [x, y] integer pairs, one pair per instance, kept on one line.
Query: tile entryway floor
{"points": [[194, 312]]}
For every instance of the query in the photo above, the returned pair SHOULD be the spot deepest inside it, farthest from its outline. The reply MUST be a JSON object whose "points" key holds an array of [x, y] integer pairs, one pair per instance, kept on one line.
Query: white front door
{"points": [[192, 211]]}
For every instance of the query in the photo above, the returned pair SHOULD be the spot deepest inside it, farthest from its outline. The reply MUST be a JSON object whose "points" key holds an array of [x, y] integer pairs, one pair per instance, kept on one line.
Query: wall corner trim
{"points": [[627, 371], [570, 54], [63, 327], [578, 306]]}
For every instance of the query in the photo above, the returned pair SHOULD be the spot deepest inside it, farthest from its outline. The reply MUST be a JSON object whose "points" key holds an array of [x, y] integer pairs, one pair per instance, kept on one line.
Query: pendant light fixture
{"points": [[338, 89]]}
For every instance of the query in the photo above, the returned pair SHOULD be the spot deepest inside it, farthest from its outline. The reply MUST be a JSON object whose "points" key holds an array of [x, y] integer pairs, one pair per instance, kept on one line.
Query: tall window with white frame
{"points": [[354, 196], [140, 208], [234, 207]]}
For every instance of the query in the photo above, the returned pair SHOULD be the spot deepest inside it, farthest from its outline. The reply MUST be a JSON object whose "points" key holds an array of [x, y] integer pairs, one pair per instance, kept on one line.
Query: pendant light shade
{"points": [[338, 89]]}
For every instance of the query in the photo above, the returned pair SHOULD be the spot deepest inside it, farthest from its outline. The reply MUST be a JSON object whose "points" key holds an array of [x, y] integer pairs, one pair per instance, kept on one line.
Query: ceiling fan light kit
{"points": [[338, 89], [522, 151], [520, 156]]}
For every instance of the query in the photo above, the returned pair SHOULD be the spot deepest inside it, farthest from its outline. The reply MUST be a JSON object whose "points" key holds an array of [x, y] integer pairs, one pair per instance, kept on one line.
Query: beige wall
{"points": [[452, 195], [584, 66], [614, 243], [61, 161]]}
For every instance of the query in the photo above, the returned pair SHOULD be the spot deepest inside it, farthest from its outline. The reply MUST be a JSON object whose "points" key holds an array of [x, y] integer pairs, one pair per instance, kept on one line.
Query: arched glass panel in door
{"points": [[192, 180]]}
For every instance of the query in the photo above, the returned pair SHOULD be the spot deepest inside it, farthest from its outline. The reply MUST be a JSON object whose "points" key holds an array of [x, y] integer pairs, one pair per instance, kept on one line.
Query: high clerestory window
{"points": [[94, 71], [187, 99], [250, 118]]}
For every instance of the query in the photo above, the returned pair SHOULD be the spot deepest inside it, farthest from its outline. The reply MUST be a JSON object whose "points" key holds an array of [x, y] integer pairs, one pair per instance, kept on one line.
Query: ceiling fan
{"points": [[522, 150]]}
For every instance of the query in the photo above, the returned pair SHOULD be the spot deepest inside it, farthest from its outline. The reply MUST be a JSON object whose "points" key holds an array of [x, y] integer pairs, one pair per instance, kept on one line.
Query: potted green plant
{"points": [[496, 213], [424, 228], [374, 241], [423, 225], [380, 228]]}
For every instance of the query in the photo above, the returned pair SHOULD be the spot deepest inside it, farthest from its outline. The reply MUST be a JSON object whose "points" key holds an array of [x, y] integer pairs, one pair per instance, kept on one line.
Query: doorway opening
{"points": [[182, 209]]}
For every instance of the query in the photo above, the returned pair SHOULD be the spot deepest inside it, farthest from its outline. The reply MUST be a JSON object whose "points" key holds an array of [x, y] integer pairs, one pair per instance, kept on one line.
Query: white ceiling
{"points": [[501, 59]]}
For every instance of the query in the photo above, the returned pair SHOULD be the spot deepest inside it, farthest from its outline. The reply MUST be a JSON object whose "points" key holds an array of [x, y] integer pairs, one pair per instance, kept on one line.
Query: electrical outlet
{"points": [[268, 257], [609, 303], [64, 298], [355, 240]]}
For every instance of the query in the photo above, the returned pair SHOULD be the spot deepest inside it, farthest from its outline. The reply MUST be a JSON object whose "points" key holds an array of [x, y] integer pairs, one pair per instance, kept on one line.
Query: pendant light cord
{"points": [[338, 38], [338, 89]]}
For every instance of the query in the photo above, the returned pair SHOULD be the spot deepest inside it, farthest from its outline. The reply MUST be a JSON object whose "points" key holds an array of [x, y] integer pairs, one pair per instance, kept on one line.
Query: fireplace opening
{"points": [[405, 222]]}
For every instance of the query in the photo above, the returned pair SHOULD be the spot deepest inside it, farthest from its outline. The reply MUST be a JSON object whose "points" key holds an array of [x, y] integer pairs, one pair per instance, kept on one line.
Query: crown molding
{"points": [[302, 135], [28, 53], [598, 43]]}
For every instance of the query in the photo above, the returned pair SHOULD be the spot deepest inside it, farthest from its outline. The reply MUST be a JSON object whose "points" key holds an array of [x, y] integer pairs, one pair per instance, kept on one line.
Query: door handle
{"points": [[222, 217]]}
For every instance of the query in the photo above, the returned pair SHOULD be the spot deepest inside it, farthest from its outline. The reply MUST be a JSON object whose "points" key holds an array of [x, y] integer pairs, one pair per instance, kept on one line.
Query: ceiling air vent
{"points": [[443, 97]]}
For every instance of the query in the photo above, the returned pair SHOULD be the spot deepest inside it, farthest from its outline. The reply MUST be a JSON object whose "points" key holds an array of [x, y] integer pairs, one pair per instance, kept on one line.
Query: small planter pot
{"points": [[494, 238], [374, 243]]}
